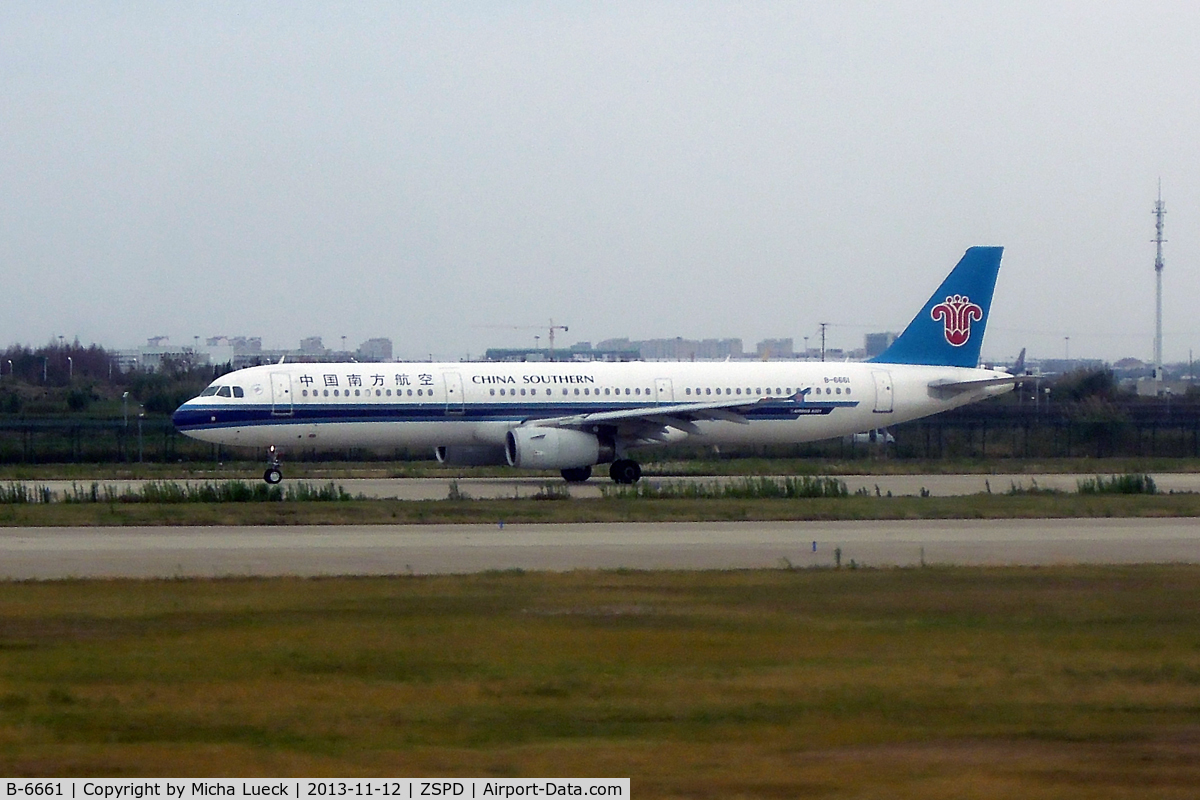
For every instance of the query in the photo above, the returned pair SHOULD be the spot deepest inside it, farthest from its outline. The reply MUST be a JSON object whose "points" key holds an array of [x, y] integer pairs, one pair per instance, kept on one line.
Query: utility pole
{"points": [[824, 325], [1160, 211]]}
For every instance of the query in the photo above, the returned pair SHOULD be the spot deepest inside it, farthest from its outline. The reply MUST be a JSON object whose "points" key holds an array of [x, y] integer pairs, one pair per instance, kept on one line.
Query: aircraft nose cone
{"points": [[182, 416]]}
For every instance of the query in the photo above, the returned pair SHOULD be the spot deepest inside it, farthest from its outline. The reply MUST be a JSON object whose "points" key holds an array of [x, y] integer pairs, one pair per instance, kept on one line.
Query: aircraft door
{"points": [[663, 391], [281, 394], [455, 403], [883, 391]]}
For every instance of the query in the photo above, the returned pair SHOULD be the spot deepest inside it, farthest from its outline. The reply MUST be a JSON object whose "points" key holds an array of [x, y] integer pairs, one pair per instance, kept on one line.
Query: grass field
{"points": [[335, 470], [930, 683], [382, 512]]}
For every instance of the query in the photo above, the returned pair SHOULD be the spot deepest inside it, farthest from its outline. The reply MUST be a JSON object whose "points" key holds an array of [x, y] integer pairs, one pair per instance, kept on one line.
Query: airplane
{"points": [[573, 416]]}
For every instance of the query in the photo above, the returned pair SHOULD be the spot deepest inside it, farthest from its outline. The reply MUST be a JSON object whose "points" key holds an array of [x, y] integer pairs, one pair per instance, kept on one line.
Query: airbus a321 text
{"points": [[572, 416]]}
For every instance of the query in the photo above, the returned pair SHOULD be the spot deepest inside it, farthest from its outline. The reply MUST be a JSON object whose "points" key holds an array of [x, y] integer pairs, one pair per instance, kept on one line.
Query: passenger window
{"points": [[410, 392], [304, 393], [576, 392], [492, 392], [637, 391]]}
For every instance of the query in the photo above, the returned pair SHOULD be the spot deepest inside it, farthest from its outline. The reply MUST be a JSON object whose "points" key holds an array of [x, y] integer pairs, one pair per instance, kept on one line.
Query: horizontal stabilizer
{"points": [[951, 388]]}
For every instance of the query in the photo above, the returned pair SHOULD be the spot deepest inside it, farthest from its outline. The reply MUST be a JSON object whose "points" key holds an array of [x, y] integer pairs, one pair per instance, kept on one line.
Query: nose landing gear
{"points": [[273, 475]]}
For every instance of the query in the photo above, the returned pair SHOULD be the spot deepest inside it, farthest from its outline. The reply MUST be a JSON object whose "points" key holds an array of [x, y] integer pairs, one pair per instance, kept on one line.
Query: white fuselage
{"points": [[392, 405]]}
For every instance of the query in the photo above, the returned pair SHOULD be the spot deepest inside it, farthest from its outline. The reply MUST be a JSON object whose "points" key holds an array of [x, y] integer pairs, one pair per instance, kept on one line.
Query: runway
{"points": [[164, 552]]}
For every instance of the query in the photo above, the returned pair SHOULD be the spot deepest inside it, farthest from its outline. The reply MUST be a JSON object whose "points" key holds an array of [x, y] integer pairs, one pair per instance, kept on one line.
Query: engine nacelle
{"points": [[471, 455], [555, 448]]}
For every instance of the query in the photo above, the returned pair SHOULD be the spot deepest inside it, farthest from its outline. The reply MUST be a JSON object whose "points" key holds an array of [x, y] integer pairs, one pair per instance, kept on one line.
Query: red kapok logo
{"points": [[956, 314]]}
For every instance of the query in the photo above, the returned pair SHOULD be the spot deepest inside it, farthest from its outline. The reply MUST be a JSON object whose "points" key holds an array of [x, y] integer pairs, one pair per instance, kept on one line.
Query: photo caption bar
{"points": [[299, 789]]}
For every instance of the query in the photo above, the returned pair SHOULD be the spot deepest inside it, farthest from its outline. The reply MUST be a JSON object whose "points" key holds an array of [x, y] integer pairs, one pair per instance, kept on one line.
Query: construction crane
{"points": [[552, 328]]}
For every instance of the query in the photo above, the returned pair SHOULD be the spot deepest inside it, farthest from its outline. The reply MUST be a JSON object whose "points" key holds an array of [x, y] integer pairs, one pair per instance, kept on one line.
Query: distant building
{"points": [[157, 351], [1148, 387], [775, 348], [374, 350], [680, 349], [875, 343], [312, 346]]}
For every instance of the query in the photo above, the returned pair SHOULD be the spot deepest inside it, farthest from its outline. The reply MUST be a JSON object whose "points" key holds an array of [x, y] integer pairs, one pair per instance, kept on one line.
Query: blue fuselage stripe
{"points": [[194, 417]]}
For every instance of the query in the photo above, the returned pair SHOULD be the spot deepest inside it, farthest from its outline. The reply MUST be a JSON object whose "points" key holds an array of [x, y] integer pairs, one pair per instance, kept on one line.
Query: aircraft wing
{"points": [[651, 422]]}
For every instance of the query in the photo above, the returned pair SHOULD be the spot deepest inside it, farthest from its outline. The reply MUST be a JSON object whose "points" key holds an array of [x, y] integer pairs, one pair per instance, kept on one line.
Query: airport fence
{"points": [[70, 440], [990, 430]]}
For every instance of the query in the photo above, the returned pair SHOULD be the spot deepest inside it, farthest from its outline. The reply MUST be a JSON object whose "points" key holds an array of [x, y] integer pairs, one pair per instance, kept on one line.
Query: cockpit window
{"points": [[210, 391], [224, 392], [238, 392]]}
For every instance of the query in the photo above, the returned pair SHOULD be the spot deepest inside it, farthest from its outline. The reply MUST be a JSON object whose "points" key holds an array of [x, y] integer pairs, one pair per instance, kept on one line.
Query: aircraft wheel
{"points": [[625, 471], [272, 475], [577, 474]]}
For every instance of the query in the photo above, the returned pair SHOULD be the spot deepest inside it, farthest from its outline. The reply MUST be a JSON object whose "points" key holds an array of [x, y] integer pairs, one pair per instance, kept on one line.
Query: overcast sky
{"points": [[422, 170]]}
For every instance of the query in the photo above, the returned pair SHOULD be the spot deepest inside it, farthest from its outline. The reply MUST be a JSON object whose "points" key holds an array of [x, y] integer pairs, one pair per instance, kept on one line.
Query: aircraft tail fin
{"points": [[1018, 367], [948, 331]]}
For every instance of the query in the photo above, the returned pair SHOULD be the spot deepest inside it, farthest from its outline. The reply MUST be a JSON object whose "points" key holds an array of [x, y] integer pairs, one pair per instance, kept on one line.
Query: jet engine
{"points": [[555, 448], [470, 455]]}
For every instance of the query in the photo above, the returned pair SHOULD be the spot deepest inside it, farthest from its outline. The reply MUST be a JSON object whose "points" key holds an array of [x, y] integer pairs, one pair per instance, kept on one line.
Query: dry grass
{"points": [[1061, 682]]}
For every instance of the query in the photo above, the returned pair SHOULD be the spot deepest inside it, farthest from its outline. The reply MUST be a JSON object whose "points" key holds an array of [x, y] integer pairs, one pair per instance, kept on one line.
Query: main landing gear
{"points": [[273, 475], [625, 470]]}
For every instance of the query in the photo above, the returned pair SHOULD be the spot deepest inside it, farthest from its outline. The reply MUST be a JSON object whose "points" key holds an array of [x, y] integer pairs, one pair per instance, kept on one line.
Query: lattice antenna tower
{"points": [[1160, 210]]}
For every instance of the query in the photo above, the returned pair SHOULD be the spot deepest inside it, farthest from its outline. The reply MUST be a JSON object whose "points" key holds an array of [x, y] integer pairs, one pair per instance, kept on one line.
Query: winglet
{"points": [[948, 331]]}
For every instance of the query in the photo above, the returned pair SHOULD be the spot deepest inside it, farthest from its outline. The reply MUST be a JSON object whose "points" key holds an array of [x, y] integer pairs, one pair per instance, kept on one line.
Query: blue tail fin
{"points": [[948, 331]]}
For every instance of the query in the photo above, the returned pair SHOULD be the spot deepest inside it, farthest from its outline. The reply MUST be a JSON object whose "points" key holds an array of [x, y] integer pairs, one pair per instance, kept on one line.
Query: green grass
{"points": [[788, 487], [617, 509], [654, 467], [1051, 682], [1129, 483]]}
